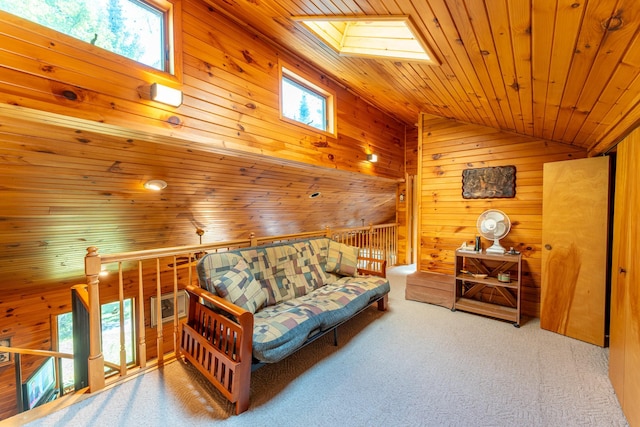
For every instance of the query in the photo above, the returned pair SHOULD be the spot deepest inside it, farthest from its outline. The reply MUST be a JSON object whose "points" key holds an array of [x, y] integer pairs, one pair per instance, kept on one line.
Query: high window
{"points": [[306, 103], [136, 29]]}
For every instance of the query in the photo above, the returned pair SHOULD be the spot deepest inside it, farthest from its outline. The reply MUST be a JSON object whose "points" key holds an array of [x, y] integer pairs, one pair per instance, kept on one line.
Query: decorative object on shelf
{"points": [[494, 225], [167, 309], [489, 183], [504, 277], [5, 356], [467, 248]]}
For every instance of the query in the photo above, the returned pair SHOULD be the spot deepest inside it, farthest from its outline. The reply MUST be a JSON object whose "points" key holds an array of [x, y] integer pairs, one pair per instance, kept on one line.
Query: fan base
{"points": [[496, 249]]}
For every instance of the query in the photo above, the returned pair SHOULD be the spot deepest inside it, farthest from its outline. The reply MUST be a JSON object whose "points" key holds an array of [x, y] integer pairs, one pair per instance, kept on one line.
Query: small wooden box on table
{"points": [[486, 295]]}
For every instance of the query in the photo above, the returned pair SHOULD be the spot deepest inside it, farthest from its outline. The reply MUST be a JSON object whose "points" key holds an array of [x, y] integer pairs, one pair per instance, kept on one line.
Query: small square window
{"points": [[304, 103]]}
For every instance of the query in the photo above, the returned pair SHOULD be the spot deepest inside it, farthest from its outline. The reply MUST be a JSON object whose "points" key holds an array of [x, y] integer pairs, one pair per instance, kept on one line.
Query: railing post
{"points": [[92, 265], [328, 231], [254, 241]]}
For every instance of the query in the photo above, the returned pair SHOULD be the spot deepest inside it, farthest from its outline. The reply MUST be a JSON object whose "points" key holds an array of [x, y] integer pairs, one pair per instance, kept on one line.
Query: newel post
{"points": [[92, 265], [254, 241], [327, 231]]}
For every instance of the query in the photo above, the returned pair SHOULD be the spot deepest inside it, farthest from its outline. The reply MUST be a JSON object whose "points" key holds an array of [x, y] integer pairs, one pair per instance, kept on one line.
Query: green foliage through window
{"points": [[303, 105], [131, 28], [110, 319]]}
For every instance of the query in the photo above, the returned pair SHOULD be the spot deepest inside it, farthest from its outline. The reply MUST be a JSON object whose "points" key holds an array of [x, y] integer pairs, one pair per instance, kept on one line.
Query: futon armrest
{"points": [[219, 303], [372, 267]]}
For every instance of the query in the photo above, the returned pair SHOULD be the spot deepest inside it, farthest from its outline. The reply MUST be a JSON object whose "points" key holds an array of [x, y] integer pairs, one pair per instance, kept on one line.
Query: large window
{"points": [[306, 103], [136, 29], [110, 317]]}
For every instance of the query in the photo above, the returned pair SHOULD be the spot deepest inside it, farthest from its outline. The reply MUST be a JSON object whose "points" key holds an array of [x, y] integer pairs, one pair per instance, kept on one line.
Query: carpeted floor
{"points": [[415, 365]]}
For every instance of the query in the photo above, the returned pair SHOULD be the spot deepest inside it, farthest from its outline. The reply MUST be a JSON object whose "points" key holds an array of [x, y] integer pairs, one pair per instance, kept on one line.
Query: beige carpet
{"points": [[415, 365]]}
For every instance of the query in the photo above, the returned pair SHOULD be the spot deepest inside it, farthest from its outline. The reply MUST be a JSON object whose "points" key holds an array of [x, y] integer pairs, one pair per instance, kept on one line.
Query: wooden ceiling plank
{"points": [[499, 19], [590, 40], [462, 41], [446, 40], [569, 15], [543, 19], [520, 24], [622, 90], [448, 101], [488, 52], [623, 28]]}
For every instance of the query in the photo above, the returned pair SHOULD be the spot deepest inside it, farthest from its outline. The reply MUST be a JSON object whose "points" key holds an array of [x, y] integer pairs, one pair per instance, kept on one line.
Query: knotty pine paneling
{"points": [[62, 190], [563, 71], [230, 84], [446, 219], [73, 171]]}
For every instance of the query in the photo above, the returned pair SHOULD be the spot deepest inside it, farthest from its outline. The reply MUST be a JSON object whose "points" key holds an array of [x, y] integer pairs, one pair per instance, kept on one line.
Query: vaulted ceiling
{"points": [[562, 70]]}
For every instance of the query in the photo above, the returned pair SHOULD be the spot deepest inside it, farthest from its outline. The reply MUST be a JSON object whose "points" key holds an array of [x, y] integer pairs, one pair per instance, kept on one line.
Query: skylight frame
{"points": [[330, 37]]}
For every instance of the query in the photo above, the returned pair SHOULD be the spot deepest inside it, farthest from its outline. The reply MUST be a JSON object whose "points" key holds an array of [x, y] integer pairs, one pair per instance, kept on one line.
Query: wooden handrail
{"points": [[35, 352]]}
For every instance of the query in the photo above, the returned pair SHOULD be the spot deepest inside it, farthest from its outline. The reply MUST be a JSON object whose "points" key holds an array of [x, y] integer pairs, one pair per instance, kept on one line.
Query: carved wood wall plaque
{"points": [[489, 183]]}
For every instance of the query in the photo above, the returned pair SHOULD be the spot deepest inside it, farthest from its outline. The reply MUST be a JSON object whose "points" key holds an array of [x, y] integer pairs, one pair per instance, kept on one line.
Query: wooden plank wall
{"points": [[71, 172], [446, 219]]}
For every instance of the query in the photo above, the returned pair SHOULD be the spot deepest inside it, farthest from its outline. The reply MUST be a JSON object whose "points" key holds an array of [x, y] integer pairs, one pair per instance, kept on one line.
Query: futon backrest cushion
{"points": [[283, 270], [342, 259], [240, 287]]}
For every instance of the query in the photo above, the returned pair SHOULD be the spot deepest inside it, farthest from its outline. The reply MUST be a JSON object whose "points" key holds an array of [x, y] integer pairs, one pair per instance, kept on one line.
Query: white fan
{"points": [[494, 225]]}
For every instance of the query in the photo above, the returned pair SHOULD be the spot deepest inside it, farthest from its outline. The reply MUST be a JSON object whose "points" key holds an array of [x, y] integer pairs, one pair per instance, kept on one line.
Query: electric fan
{"points": [[494, 225]]}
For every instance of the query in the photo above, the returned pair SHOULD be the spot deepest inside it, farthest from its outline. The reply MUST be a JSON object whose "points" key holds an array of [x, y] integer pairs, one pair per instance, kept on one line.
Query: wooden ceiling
{"points": [[562, 70]]}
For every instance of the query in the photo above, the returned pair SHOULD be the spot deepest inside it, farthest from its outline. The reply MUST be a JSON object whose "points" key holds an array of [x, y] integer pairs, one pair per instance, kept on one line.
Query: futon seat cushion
{"points": [[281, 329]]}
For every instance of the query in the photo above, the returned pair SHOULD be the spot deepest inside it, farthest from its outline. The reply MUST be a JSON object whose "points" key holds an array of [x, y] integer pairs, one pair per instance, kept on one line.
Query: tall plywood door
{"points": [[624, 352], [575, 219]]}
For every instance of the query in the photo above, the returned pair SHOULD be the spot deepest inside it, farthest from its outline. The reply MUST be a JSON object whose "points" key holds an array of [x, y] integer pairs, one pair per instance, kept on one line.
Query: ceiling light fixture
{"points": [[166, 95], [155, 184], [372, 157]]}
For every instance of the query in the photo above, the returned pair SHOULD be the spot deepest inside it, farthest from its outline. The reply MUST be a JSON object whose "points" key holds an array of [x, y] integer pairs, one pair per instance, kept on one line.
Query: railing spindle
{"points": [[142, 344]]}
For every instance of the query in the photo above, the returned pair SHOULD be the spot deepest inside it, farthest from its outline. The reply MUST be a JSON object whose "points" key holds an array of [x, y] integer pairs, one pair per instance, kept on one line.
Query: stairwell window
{"points": [[136, 29], [110, 321], [306, 103]]}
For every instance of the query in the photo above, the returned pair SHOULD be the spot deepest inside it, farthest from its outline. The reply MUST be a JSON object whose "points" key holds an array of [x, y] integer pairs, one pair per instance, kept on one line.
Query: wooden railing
{"points": [[379, 241], [17, 353]]}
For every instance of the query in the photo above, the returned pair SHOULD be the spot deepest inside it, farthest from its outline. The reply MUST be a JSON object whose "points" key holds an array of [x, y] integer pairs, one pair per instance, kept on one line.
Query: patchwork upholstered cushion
{"points": [[342, 259], [240, 287], [279, 330]]}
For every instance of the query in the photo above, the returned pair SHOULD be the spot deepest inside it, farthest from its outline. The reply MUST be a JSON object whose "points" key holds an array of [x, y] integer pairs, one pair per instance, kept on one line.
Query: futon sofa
{"points": [[260, 304]]}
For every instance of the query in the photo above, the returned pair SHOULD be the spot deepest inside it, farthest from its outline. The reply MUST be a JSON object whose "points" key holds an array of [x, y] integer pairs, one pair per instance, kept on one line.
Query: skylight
{"points": [[392, 37]]}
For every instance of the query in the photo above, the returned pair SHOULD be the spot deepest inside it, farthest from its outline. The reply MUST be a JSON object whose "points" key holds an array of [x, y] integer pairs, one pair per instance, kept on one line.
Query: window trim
{"points": [[311, 84], [172, 42]]}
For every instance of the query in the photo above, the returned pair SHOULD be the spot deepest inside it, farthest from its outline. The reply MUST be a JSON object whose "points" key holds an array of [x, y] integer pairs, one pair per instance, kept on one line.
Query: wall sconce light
{"points": [[166, 95], [155, 184], [372, 157]]}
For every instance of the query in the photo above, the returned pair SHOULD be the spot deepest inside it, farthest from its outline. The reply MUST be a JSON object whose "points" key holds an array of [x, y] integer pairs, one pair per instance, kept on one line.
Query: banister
{"points": [[33, 352]]}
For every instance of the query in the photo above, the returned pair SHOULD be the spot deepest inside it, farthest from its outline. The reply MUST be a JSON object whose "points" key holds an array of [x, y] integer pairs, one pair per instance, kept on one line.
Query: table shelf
{"points": [[478, 294]]}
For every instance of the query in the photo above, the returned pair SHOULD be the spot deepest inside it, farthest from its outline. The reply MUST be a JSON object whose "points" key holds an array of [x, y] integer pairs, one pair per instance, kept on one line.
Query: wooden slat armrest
{"points": [[218, 302], [373, 261]]}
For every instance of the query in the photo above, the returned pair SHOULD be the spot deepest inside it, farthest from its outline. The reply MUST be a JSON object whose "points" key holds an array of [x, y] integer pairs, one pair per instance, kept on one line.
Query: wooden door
{"points": [[575, 218], [624, 354]]}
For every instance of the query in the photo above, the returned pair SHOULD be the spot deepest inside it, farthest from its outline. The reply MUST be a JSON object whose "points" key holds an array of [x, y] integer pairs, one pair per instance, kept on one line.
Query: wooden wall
{"points": [[446, 219], [72, 172]]}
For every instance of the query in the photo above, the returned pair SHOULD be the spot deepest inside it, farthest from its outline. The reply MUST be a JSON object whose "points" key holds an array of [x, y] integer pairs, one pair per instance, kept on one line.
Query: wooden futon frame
{"points": [[219, 342]]}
